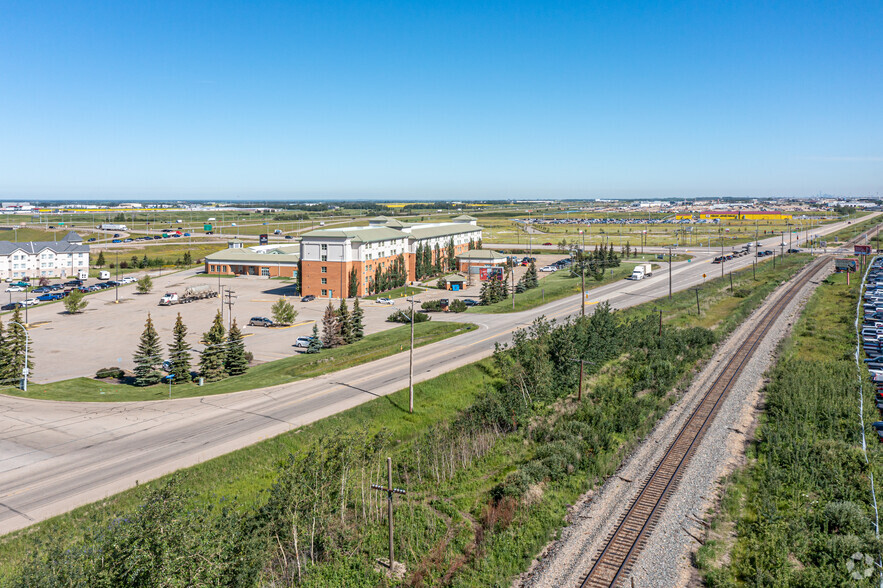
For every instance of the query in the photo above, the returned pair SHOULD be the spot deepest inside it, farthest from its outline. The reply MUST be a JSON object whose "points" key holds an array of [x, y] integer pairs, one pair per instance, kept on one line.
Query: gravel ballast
{"points": [[666, 561]]}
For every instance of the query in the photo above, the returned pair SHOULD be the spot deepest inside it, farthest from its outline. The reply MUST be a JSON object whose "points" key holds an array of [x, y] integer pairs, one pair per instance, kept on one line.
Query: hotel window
{"points": [[265, 271], [324, 258], [324, 269], [324, 292], [324, 247], [324, 281]]}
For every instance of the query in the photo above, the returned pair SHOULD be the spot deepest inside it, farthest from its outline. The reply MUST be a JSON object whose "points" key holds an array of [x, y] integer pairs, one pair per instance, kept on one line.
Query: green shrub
{"points": [[457, 305], [110, 372]]}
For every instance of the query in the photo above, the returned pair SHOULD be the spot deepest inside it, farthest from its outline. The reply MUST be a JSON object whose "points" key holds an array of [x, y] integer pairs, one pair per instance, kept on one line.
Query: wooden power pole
{"points": [[390, 491]]}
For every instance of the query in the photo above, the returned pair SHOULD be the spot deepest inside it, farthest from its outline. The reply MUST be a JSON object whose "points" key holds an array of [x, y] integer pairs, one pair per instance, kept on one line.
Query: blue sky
{"points": [[440, 100]]}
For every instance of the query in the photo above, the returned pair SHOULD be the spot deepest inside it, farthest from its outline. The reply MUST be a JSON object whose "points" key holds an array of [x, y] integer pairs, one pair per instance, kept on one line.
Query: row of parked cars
{"points": [[52, 292], [872, 333], [560, 264]]}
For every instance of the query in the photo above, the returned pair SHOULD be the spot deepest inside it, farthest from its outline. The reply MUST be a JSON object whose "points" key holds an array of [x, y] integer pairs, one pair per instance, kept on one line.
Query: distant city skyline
{"points": [[420, 101]]}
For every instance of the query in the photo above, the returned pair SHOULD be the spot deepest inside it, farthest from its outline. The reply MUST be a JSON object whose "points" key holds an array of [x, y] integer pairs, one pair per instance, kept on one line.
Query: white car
{"points": [[128, 280], [30, 302], [15, 289], [384, 301], [548, 268], [303, 342]]}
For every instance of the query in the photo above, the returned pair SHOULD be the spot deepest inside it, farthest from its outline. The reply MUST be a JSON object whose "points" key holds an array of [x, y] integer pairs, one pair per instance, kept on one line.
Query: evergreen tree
{"points": [[427, 260], [437, 266], [235, 361], [6, 376], [418, 261], [330, 328], [471, 244], [344, 322], [452, 257], [100, 261], [353, 284], [531, 278], [478, 244], [179, 353], [16, 337], [188, 259], [358, 329], [485, 295], [211, 363], [315, 343], [148, 356]]}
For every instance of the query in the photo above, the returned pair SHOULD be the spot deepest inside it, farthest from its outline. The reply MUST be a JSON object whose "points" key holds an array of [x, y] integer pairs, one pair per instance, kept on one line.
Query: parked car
{"points": [[548, 268], [92, 239], [29, 302], [303, 341], [470, 302], [260, 321], [16, 289], [384, 301], [49, 297], [308, 298], [11, 306], [41, 290]]}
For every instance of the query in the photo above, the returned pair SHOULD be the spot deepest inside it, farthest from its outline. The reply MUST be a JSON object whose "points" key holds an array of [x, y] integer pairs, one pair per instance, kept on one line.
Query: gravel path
{"points": [[667, 560]]}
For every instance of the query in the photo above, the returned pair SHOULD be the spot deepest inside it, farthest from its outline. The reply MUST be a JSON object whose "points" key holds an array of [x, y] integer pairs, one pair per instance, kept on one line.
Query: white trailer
{"points": [[112, 227], [190, 294]]}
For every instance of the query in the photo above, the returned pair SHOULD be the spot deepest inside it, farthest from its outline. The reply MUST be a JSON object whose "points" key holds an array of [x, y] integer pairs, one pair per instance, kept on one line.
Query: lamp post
{"points": [[24, 370], [411, 362]]}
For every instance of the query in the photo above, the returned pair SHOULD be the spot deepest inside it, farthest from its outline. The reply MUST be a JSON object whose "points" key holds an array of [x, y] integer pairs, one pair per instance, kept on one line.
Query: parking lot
{"points": [[107, 333]]}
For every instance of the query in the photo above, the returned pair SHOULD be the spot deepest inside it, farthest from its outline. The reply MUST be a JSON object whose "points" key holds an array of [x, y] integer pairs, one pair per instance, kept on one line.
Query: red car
{"points": [[546, 244]]}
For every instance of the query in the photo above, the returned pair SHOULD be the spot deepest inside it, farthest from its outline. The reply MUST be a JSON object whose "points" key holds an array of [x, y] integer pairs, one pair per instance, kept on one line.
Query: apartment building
{"points": [[49, 259], [329, 256]]}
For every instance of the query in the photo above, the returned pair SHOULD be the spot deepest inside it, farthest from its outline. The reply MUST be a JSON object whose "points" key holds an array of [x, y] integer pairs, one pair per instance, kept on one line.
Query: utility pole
{"points": [[659, 310], [221, 298], [411, 367], [390, 490], [230, 300], [117, 285]]}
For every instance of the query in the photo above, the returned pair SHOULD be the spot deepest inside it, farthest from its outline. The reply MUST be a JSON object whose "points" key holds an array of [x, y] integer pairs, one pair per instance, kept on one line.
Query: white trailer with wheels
{"points": [[189, 295]]}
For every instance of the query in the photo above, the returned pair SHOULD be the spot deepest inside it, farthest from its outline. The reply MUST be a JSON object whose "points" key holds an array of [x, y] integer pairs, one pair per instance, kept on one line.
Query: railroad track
{"points": [[614, 562]]}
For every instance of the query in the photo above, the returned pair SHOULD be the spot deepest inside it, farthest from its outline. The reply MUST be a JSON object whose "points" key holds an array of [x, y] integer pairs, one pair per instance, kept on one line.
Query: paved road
{"points": [[55, 456]]}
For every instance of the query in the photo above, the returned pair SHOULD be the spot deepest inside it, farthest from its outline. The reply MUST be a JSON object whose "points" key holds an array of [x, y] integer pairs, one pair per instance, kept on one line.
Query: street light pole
{"points": [[411, 363]]}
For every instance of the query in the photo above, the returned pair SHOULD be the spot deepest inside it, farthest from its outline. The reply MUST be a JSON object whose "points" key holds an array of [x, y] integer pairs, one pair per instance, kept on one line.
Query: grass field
{"points": [[298, 367]]}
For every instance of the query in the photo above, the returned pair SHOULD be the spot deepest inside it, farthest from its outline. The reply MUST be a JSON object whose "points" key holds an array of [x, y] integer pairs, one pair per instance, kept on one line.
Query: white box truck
{"points": [[641, 271], [104, 275]]}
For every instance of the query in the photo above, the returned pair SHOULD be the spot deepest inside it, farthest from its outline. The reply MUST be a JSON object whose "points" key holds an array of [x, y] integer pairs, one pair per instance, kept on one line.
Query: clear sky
{"points": [[382, 99]]}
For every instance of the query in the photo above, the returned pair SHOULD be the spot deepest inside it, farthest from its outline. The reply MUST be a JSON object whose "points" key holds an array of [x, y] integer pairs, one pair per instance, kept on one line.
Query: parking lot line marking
{"points": [[302, 323], [261, 300]]}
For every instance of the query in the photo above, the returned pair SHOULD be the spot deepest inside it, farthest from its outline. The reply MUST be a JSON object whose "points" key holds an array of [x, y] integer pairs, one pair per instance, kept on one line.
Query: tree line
{"points": [[339, 327], [224, 354]]}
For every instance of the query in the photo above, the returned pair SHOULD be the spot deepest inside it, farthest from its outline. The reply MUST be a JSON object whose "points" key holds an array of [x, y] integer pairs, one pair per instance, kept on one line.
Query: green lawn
{"points": [[402, 292], [291, 369]]}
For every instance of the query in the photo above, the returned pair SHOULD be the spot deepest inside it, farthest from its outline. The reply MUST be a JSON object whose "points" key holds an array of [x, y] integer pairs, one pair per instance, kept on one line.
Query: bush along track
{"points": [[802, 512], [488, 483]]}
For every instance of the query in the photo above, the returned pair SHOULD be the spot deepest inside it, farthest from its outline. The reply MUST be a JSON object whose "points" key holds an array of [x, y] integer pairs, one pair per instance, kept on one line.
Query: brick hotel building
{"points": [[327, 256]]}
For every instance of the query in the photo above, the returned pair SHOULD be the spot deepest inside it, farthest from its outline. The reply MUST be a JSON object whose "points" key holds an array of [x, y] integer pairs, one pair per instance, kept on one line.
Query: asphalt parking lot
{"points": [[107, 333]]}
